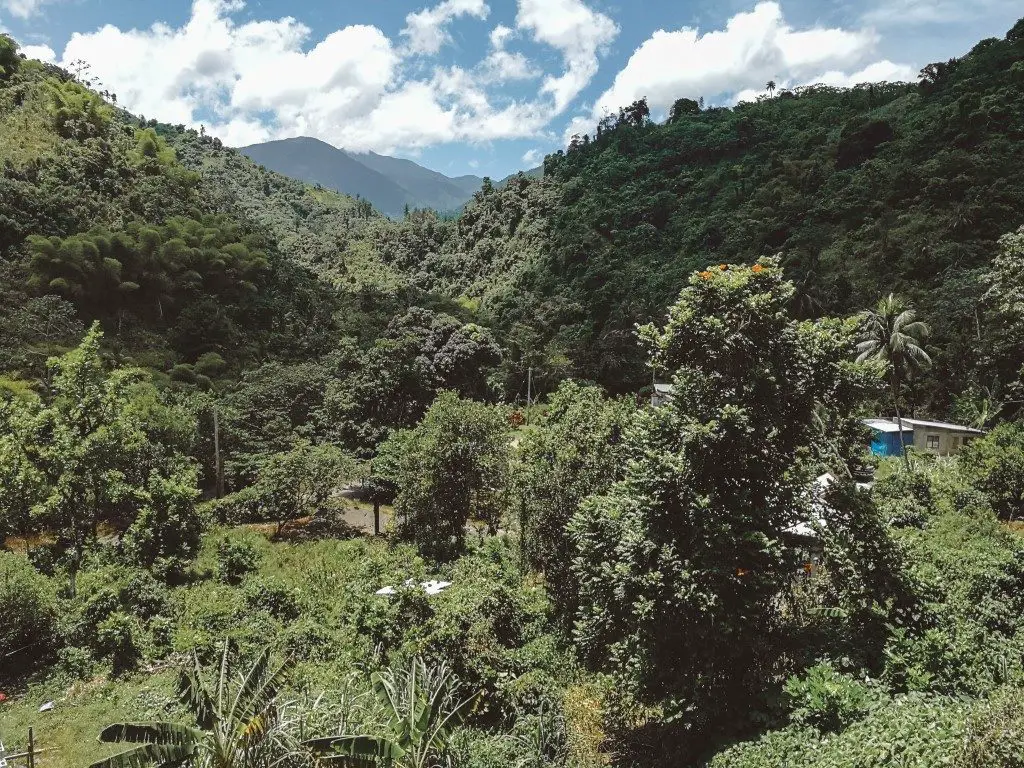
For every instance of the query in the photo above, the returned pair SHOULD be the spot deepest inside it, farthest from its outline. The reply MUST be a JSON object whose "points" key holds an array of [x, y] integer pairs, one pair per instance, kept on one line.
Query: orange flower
{"points": [[705, 275], [723, 267], [757, 268], [808, 567], [742, 571]]}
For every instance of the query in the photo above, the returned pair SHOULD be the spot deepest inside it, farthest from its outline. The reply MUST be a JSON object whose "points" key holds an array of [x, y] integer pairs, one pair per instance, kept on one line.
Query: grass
{"points": [[68, 732]]}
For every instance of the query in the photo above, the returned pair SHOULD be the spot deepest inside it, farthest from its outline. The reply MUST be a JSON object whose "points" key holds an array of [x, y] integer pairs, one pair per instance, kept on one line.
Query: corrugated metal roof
{"points": [[884, 425], [666, 389], [944, 425]]}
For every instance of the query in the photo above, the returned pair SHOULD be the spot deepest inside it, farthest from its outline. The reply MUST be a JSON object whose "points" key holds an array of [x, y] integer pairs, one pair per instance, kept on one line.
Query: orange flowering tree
{"points": [[680, 564]]}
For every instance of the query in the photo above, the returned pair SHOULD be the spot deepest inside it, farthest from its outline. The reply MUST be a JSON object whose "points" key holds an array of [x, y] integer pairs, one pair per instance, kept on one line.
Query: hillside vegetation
{"points": [[271, 495]]}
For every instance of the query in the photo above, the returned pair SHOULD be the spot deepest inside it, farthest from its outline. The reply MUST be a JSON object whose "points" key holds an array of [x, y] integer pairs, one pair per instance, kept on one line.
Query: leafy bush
{"points": [[828, 699], [117, 637], [274, 597], [995, 466], [236, 558], [167, 533], [913, 731], [29, 629], [143, 595], [995, 734]]}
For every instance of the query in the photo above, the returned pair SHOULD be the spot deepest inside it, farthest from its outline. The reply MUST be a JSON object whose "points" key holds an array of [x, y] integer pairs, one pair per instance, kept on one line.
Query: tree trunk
{"points": [[899, 425], [376, 517]]}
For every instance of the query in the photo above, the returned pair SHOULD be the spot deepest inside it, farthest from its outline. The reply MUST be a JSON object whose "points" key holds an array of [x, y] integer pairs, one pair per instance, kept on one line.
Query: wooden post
{"points": [[31, 748], [376, 516]]}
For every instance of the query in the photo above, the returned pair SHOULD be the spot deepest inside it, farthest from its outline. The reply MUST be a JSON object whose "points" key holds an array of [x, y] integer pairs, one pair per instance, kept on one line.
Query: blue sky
{"points": [[477, 86]]}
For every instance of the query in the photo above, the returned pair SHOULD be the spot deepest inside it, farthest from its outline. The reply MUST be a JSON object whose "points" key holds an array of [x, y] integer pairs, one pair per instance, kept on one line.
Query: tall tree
{"points": [[574, 452], [681, 562], [23, 485], [99, 462], [892, 334], [450, 468]]}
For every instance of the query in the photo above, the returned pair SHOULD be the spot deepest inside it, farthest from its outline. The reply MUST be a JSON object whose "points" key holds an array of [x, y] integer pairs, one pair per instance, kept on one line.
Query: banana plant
{"points": [[421, 706], [236, 726]]}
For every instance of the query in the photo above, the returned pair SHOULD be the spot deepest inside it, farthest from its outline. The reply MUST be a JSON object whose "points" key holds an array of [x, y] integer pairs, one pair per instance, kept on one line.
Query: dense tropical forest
{"points": [[284, 482]]}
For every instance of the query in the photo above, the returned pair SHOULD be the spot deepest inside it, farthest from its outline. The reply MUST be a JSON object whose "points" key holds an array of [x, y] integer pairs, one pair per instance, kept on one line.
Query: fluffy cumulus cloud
{"points": [[425, 29], [576, 30], [41, 52], [254, 80], [533, 157], [356, 88], [23, 9], [737, 61]]}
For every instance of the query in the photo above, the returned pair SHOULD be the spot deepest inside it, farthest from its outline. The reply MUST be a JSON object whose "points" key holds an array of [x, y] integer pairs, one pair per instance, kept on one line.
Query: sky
{"points": [[483, 87]]}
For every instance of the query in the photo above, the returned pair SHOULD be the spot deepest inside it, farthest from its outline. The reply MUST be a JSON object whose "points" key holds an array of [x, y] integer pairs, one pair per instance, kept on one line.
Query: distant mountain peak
{"points": [[390, 183]]}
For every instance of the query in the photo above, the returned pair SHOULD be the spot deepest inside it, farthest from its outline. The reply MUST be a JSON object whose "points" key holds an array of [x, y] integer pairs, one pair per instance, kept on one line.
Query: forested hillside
{"points": [[272, 494], [883, 187]]}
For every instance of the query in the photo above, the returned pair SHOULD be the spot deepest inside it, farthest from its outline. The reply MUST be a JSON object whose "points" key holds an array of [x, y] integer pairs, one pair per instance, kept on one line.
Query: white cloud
{"points": [[501, 35], [533, 157], [574, 29], [257, 80], [505, 66], [23, 9], [41, 52], [426, 29], [755, 46], [916, 12]]}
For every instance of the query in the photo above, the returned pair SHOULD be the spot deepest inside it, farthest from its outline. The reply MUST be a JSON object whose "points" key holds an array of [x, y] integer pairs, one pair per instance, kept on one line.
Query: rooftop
{"points": [[884, 425], [944, 425]]}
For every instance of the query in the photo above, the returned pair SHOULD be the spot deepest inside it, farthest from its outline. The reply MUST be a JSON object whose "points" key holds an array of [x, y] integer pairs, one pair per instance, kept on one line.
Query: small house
{"points": [[940, 438]]}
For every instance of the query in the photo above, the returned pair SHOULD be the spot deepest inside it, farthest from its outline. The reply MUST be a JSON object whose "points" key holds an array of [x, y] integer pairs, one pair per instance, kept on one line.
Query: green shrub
{"points": [[912, 731], [236, 558], [210, 364], [75, 663], [143, 595], [183, 374], [274, 597], [29, 627], [995, 466], [995, 735], [117, 638], [828, 699]]}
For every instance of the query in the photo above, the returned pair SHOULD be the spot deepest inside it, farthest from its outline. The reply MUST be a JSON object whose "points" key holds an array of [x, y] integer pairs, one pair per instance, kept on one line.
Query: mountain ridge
{"points": [[390, 184]]}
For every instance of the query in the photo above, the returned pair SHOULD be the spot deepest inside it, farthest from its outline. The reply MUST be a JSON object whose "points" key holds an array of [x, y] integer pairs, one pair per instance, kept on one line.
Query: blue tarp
{"points": [[888, 443]]}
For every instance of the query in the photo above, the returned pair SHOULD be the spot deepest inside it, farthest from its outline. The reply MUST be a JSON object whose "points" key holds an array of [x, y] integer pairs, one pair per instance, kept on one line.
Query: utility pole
{"points": [[216, 453]]}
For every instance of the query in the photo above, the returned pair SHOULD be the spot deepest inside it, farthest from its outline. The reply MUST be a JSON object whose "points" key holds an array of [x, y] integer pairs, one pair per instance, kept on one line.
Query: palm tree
{"points": [[770, 87], [893, 335], [236, 726], [422, 706]]}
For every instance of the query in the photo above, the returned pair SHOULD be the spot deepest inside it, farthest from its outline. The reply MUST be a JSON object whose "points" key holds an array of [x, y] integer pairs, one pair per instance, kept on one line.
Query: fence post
{"points": [[31, 748]]}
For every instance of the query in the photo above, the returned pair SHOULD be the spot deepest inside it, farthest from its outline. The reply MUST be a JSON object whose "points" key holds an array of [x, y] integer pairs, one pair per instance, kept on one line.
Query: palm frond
{"points": [[148, 756], [368, 747], [151, 733], [193, 694], [252, 694]]}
